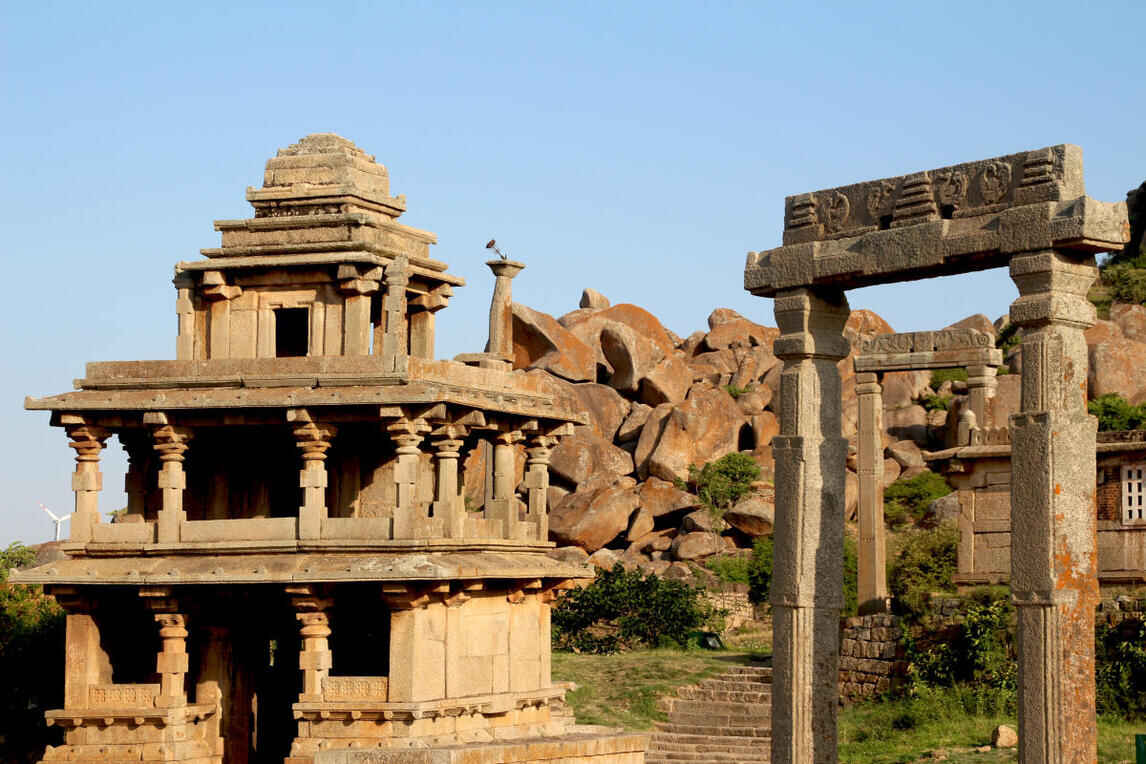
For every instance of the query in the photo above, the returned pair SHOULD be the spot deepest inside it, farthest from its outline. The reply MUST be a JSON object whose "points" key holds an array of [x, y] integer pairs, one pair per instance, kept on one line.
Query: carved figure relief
{"points": [[837, 211], [995, 181], [879, 199], [952, 187]]}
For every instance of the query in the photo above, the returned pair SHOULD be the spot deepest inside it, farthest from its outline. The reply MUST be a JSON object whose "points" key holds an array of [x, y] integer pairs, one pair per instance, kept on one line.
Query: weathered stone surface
{"points": [[586, 454], [713, 366], [740, 333], [631, 427], [539, 342], [906, 453], [667, 382], [1131, 319], [907, 422], [765, 426], [571, 554], [891, 471], [704, 427], [753, 401], [693, 546], [1102, 331], [630, 355], [591, 298], [751, 366], [555, 493], [1004, 736], [902, 388], [865, 323], [1007, 400], [942, 509], [661, 497], [690, 343], [605, 407], [700, 520], [650, 436], [851, 495], [605, 559], [592, 517], [1118, 366], [753, 515], [720, 316], [640, 524], [978, 322]]}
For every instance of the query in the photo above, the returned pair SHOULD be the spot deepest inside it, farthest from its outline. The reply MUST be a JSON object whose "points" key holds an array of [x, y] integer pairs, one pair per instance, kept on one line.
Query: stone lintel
{"points": [[955, 219]]}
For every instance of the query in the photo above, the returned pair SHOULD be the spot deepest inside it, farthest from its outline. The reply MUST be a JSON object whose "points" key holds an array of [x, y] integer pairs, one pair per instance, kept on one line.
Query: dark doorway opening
{"points": [[292, 327]]}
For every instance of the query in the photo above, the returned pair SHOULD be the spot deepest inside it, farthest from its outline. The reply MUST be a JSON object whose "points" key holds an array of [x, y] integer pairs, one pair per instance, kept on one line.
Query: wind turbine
{"points": [[59, 521]]}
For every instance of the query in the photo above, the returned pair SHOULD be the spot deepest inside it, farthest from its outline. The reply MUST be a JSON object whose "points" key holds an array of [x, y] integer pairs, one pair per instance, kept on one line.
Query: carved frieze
{"points": [[342, 688], [927, 342], [122, 695]]}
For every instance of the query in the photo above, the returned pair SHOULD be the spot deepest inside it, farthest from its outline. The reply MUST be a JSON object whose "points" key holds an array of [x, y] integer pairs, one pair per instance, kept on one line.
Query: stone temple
{"points": [[299, 575]]}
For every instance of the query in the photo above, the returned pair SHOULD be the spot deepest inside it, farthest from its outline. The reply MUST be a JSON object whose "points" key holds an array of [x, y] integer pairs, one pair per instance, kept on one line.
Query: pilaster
{"points": [[395, 349], [807, 586], [1054, 579]]}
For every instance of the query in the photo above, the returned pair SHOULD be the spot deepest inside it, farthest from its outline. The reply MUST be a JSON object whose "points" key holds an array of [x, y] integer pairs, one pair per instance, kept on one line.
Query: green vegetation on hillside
{"points": [[1116, 413]]}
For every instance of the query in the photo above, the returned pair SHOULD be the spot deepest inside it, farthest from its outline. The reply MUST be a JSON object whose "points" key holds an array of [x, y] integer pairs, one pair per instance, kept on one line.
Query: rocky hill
{"points": [[658, 403]]}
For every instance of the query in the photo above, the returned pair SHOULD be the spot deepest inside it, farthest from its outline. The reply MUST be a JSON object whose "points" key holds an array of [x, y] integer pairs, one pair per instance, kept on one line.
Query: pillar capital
{"points": [[408, 434], [170, 441], [811, 322], [314, 439], [87, 440], [1052, 289]]}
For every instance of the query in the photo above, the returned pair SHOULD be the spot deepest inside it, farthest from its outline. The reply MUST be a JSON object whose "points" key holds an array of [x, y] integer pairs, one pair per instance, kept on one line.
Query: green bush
{"points": [[735, 391], [932, 402], [722, 483], [760, 573], [1126, 282], [1116, 413], [939, 376], [730, 568], [623, 608], [1120, 669], [760, 570], [908, 499], [926, 562], [31, 662], [1008, 338]]}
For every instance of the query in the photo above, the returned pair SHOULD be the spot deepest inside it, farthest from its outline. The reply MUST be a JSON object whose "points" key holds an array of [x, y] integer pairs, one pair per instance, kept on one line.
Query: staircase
{"points": [[721, 720]]}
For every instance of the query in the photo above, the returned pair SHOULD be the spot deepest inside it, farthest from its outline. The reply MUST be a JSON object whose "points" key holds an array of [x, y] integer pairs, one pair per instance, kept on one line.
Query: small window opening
{"points": [[1133, 488], [947, 211], [746, 440], [292, 327], [884, 222]]}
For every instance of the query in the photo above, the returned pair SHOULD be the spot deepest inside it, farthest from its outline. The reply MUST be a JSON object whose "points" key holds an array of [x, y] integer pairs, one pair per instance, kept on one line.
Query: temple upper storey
{"points": [[323, 268]]}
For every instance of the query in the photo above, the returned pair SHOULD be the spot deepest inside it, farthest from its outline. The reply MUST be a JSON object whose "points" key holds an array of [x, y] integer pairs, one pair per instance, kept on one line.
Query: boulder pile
{"points": [[658, 403]]}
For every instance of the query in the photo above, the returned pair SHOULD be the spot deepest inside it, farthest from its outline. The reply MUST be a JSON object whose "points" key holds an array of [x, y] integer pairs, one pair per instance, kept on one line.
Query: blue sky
{"points": [[637, 148]]}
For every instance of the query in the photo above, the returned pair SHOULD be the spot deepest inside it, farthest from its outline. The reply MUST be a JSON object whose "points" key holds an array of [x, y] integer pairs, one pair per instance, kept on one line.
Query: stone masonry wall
{"points": [[1123, 607], [872, 660]]}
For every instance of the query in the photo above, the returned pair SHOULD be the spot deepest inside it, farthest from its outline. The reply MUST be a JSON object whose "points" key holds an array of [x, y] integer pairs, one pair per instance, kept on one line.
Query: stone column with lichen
{"points": [[1054, 576], [807, 579], [872, 556]]}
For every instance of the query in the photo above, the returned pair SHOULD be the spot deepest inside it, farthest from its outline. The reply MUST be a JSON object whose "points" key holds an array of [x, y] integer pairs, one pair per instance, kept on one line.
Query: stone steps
{"points": [[717, 721]]}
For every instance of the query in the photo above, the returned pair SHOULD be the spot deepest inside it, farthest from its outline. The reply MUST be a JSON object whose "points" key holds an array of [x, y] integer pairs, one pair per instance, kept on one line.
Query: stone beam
{"points": [[949, 220]]}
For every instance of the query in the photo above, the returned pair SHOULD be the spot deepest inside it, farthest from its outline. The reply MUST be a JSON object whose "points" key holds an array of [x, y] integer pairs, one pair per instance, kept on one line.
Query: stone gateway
{"points": [[1027, 211]]}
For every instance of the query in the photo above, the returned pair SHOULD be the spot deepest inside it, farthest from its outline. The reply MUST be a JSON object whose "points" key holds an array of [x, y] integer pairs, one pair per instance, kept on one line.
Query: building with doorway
{"points": [[300, 574]]}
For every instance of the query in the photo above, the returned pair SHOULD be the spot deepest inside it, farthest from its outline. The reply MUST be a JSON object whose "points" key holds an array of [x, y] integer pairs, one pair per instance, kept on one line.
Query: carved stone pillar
{"points": [[447, 502], [171, 665], [981, 384], [807, 584], [537, 482], [87, 481], [1054, 577], [501, 308], [315, 659], [314, 441], [218, 296], [422, 310], [407, 436], [503, 505], [86, 663], [356, 312], [171, 445], [872, 557], [395, 348]]}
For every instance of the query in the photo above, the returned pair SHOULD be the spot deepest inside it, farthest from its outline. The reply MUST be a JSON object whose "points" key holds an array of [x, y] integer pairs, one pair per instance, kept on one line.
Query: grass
{"points": [[621, 690], [935, 725]]}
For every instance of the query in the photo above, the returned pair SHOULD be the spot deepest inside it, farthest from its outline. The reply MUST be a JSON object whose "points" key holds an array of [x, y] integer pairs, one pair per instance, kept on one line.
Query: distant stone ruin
{"points": [[1029, 212]]}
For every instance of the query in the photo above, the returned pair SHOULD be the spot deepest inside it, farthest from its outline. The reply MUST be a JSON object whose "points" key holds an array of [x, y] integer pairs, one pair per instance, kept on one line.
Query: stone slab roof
{"points": [[301, 568], [953, 219]]}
